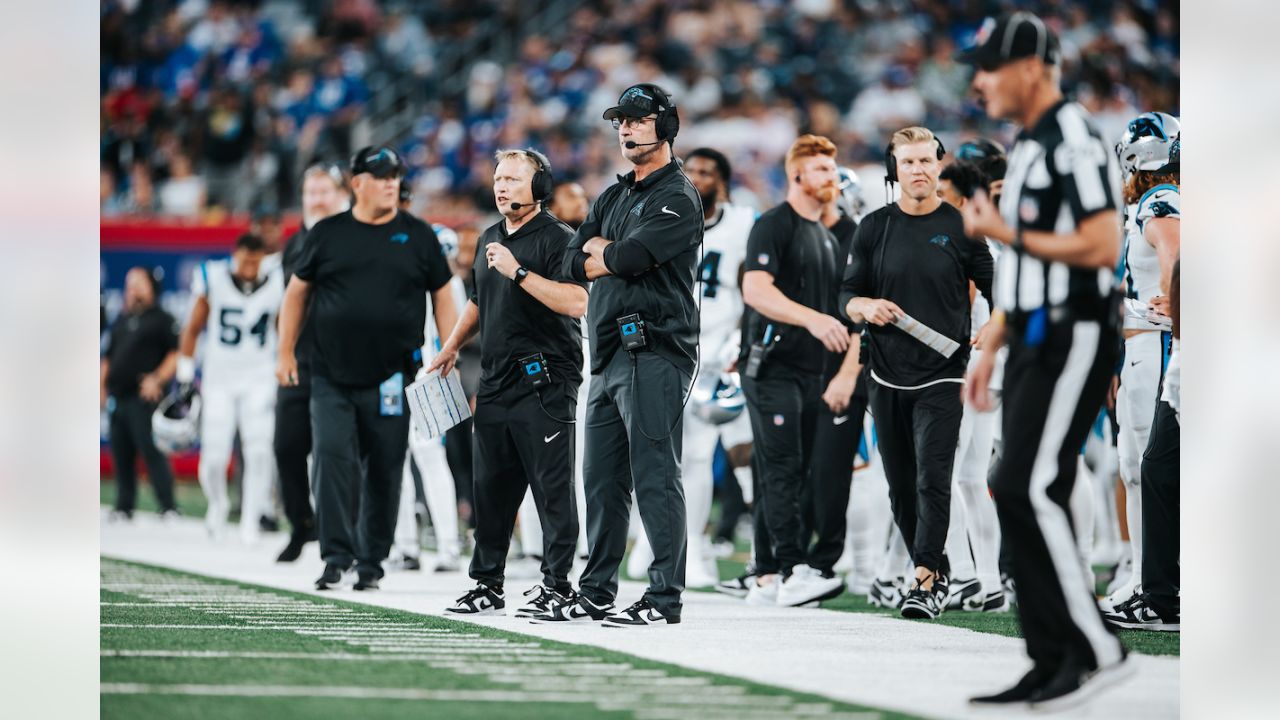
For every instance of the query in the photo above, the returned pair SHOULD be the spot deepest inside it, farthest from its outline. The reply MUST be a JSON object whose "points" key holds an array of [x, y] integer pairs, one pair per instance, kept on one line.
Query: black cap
{"points": [[1174, 165], [639, 101], [379, 161], [1011, 37]]}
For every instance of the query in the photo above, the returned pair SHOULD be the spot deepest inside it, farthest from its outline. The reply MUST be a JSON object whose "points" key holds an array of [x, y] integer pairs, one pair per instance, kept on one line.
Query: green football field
{"points": [[178, 645]]}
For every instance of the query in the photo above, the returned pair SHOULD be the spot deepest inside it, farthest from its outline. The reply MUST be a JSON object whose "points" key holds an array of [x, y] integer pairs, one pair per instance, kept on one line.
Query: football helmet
{"points": [[448, 240], [1146, 142], [850, 199], [175, 424], [717, 398]]}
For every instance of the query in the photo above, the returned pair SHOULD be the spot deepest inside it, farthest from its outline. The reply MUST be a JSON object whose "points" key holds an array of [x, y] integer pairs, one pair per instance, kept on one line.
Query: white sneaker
{"points": [[1120, 597], [807, 585], [697, 577], [766, 594], [1123, 582]]}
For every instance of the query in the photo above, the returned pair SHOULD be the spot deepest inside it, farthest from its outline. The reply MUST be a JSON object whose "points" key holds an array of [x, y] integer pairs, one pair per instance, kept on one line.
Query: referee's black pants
{"points": [[918, 432], [633, 438], [293, 445], [1052, 394], [359, 461], [784, 405], [1161, 507], [825, 499], [519, 444], [131, 434]]}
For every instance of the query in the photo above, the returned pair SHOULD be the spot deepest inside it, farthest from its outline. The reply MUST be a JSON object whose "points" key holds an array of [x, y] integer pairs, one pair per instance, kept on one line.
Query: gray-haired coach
{"points": [[640, 246]]}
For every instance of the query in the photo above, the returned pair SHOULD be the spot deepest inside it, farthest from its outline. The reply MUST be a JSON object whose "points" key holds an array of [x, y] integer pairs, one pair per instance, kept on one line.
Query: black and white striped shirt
{"points": [[1060, 172]]}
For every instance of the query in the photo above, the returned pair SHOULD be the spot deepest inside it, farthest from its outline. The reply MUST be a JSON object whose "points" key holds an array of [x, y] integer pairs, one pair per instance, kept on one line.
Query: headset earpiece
{"points": [[890, 165], [543, 183]]}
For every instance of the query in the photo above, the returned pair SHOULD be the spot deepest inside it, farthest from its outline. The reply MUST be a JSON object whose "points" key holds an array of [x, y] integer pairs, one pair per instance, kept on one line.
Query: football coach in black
{"points": [[640, 245], [526, 313], [366, 272]]}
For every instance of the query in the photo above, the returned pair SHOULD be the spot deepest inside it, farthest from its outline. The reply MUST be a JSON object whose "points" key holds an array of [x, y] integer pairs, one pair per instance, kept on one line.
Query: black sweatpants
{"points": [[131, 434], [732, 507], [784, 405], [293, 445], [917, 432], [825, 499], [633, 439], [359, 458], [1052, 394], [520, 445], [1161, 508]]}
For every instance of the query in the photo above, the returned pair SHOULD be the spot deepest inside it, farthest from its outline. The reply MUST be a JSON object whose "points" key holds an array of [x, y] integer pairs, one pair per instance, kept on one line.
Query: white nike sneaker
{"points": [[807, 585], [766, 594]]}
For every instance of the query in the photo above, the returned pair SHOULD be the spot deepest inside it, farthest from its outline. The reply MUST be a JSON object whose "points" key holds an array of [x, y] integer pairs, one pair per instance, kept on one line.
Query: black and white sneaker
{"points": [[921, 604], [366, 581], [575, 609], [334, 577], [960, 591], [541, 600], [737, 587], [994, 601], [1019, 695], [1073, 685], [886, 593], [1136, 613], [640, 614], [480, 600], [941, 590]]}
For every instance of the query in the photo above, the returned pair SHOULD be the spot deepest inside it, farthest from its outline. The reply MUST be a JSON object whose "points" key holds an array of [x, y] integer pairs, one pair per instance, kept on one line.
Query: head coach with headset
{"points": [[366, 272], [639, 244], [526, 313], [908, 277]]}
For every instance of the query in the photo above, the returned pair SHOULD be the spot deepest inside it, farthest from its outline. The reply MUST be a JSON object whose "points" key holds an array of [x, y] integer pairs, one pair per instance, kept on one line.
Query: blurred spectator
{"points": [[183, 194], [889, 105]]}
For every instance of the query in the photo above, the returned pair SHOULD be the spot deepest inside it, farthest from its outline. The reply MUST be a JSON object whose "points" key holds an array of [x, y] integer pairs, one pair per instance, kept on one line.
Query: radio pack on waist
{"points": [[631, 330], [533, 370]]}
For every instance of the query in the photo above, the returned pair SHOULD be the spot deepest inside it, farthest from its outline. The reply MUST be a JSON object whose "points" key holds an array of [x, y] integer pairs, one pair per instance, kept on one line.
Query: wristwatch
{"points": [[521, 274]]}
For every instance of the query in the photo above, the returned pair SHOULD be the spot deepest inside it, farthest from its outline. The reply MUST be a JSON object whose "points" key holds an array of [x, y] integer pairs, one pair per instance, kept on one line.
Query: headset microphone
{"points": [[517, 206], [632, 145]]}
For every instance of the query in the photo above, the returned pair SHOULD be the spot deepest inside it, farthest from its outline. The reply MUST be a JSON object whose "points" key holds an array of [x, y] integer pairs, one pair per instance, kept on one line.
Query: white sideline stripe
{"points": [[339, 692], [603, 668], [303, 629]]}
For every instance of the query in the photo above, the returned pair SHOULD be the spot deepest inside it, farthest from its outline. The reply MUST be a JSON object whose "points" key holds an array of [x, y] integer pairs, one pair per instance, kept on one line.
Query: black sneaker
{"points": [[366, 581], [268, 524], [293, 550], [1018, 695], [737, 587], [334, 576], [1136, 613], [480, 600], [404, 562], [542, 598], [920, 604], [640, 614], [575, 609], [961, 590], [1073, 685]]}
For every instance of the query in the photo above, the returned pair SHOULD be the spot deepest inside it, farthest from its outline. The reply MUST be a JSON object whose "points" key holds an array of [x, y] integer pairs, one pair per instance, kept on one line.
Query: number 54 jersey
{"points": [[724, 249], [240, 337]]}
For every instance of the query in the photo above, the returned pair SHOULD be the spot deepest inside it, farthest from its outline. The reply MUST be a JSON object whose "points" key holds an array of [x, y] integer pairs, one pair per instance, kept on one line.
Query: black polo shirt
{"points": [[923, 263], [289, 259], [138, 344], [368, 294], [800, 254], [662, 214], [514, 324]]}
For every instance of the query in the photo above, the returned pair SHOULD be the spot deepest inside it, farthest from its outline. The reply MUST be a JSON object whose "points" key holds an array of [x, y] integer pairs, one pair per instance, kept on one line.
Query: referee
{"points": [[323, 194], [526, 314], [365, 272], [1056, 312], [639, 244], [912, 259]]}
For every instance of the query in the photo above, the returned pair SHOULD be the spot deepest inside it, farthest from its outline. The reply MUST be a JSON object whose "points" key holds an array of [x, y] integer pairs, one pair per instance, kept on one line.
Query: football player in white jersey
{"points": [[724, 249], [1143, 149], [241, 298]]}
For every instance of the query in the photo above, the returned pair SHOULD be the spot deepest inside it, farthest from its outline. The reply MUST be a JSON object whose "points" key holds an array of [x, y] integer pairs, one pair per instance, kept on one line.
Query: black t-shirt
{"points": [[368, 294], [843, 229], [923, 263], [800, 254], [661, 216], [138, 344], [513, 324], [289, 259]]}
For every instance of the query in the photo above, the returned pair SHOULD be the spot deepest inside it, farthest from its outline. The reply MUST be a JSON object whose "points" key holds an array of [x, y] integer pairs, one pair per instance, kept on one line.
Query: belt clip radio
{"points": [[759, 351], [631, 330], [533, 370]]}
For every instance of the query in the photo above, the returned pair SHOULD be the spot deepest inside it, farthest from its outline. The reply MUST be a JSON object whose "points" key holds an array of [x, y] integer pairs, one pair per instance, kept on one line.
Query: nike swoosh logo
{"points": [[553, 437], [1134, 363], [668, 211], [840, 420]]}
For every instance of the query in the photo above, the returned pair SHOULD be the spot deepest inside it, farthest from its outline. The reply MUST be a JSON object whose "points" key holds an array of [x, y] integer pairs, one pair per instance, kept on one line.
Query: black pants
{"points": [[1052, 394], [732, 507], [825, 499], [359, 458], [519, 445], [633, 439], [918, 432], [293, 445], [1161, 508], [784, 405], [131, 433], [457, 453]]}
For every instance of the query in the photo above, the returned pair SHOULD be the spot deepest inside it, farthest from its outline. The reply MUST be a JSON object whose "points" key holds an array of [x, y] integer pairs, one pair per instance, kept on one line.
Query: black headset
{"points": [[667, 126], [891, 162], [543, 183]]}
